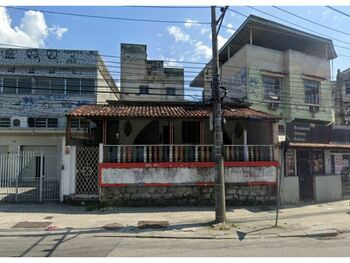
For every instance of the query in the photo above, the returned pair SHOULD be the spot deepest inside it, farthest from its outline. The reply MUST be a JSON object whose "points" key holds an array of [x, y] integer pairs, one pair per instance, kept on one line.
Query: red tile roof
{"points": [[183, 111]]}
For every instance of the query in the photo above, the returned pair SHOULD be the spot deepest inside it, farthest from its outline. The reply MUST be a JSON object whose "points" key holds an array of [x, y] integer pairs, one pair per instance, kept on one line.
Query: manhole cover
{"points": [[32, 225], [152, 224]]}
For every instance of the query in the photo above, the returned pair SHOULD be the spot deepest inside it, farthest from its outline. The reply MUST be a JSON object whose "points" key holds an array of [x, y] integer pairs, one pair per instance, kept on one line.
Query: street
{"points": [[91, 245]]}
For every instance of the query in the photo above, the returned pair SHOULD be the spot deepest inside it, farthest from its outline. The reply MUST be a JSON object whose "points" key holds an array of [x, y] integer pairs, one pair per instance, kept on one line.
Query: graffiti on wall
{"points": [[48, 57]]}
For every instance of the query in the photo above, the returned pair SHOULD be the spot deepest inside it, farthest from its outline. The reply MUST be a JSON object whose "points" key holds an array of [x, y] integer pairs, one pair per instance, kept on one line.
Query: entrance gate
{"points": [[86, 184], [30, 175]]}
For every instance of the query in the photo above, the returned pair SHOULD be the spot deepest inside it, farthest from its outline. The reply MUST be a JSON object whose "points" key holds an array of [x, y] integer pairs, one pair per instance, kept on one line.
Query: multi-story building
{"points": [[37, 88], [342, 97], [285, 72], [148, 80]]}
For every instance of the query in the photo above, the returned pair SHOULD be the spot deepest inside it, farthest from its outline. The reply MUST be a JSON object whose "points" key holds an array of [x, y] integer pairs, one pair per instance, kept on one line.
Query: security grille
{"points": [[87, 171], [30, 175]]}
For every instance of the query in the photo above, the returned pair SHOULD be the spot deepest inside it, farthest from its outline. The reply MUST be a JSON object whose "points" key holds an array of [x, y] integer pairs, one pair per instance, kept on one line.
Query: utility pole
{"points": [[220, 202]]}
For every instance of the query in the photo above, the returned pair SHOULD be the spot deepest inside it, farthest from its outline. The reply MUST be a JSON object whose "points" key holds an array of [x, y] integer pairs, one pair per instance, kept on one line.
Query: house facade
{"points": [[142, 79], [37, 88], [286, 72], [156, 153]]}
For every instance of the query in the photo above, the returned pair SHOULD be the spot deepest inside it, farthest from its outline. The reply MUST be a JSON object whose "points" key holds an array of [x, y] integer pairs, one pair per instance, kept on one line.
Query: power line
{"points": [[313, 22], [112, 18], [337, 10]]}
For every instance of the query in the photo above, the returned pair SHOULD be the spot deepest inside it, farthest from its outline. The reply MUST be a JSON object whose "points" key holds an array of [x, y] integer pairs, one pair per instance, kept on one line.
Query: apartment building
{"points": [[142, 79]]}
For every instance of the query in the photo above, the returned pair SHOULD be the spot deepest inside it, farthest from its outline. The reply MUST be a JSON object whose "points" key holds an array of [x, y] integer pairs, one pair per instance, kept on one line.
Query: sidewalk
{"points": [[308, 220]]}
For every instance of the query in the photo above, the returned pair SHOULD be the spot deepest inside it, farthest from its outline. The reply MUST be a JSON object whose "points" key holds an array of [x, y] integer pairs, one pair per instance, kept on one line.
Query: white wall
{"points": [[186, 175], [68, 171], [328, 188], [290, 190]]}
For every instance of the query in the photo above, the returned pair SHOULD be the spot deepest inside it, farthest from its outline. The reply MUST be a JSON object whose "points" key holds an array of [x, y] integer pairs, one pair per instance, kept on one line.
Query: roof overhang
{"points": [[269, 34]]}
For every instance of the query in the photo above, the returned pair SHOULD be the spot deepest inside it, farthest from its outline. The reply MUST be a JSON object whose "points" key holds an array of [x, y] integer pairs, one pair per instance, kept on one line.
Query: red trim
{"points": [[260, 183], [204, 183], [252, 164]]}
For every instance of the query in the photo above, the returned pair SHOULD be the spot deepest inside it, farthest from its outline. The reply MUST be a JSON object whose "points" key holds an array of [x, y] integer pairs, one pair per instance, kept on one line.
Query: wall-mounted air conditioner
{"points": [[314, 108], [19, 122], [274, 105]]}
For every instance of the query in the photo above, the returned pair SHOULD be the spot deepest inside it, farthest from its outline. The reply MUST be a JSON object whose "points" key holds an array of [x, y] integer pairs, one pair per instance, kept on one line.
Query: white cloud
{"points": [[230, 29], [191, 23], [58, 31], [221, 41], [202, 50], [159, 34], [328, 14], [32, 30], [178, 34], [204, 30]]}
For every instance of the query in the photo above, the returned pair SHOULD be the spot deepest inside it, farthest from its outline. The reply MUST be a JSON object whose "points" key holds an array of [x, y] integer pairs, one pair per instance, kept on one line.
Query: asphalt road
{"points": [[89, 245]]}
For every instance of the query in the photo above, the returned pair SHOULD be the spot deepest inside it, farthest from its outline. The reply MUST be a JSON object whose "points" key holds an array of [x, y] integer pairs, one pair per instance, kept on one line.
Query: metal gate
{"points": [[32, 175], [345, 176], [86, 171]]}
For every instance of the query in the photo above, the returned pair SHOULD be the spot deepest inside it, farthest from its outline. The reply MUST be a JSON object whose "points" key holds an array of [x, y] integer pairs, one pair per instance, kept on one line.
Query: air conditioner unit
{"points": [[19, 122], [274, 105], [314, 108]]}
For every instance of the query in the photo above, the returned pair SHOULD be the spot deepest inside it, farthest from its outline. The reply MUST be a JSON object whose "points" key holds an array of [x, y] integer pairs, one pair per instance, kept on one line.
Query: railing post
{"points": [[100, 153], [171, 153], [41, 175], [271, 152], [17, 173], [145, 153], [118, 153], [196, 153]]}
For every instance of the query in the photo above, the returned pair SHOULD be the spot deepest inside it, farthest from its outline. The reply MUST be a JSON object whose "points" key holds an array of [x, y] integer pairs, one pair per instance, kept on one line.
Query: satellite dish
{"points": [[272, 95]]}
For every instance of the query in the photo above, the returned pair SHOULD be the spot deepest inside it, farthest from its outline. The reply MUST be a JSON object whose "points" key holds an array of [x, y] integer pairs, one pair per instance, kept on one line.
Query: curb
{"points": [[101, 232]]}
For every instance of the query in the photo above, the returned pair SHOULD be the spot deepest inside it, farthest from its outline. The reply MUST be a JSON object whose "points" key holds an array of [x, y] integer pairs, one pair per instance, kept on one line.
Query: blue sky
{"points": [[164, 40]]}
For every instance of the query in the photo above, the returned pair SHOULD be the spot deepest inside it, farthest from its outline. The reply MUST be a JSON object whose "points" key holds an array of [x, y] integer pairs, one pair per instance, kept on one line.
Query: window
{"points": [[24, 85], [80, 123], [191, 132], [57, 86], [170, 91], [9, 85], [347, 88], [272, 87], [312, 94], [42, 85], [73, 86], [42, 122], [5, 122], [88, 86], [144, 89]]}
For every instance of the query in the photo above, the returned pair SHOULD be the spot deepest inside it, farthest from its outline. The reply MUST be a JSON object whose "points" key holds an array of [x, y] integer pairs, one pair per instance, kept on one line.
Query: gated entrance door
{"points": [[306, 180], [86, 184], [32, 174]]}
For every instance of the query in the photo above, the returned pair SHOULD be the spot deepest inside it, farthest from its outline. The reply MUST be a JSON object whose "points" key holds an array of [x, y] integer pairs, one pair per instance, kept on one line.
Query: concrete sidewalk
{"points": [[308, 220]]}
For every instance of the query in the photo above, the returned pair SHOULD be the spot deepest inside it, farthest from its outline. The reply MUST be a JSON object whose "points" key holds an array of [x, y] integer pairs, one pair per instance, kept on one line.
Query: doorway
{"points": [[310, 162]]}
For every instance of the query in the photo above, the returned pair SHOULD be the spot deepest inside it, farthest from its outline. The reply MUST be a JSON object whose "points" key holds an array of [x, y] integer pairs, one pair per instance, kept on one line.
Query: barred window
{"points": [[272, 87], [5, 122], [42, 122], [312, 91]]}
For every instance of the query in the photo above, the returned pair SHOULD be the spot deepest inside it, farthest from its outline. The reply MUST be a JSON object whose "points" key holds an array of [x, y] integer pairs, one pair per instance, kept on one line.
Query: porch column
{"points": [[245, 142], [104, 131], [68, 131]]}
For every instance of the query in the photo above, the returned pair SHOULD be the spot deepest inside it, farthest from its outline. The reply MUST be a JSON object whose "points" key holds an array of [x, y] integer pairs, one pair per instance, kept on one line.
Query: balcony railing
{"points": [[184, 153]]}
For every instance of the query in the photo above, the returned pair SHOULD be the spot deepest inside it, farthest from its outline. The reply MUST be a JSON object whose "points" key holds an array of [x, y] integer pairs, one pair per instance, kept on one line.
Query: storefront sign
{"points": [[308, 132]]}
